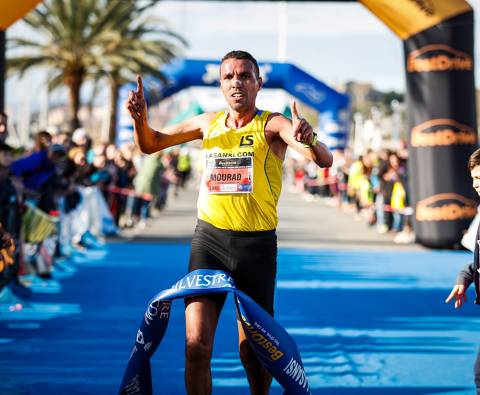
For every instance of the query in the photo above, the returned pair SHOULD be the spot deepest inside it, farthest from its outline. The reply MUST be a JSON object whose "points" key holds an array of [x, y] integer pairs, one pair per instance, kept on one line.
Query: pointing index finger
{"points": [[452, 295], [294, 111]]}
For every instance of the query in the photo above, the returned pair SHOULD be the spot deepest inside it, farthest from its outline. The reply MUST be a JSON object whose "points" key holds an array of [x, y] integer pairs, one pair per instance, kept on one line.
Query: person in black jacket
{"points": [[469, 274]]}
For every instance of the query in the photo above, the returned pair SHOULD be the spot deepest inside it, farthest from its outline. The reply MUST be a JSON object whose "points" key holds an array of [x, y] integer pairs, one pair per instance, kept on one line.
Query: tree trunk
{"points": [[112, 128], [74, 80]]}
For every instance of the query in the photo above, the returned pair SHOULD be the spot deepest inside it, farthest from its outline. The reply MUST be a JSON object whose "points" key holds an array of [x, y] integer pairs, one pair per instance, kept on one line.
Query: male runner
{"points": [[243, 150]]}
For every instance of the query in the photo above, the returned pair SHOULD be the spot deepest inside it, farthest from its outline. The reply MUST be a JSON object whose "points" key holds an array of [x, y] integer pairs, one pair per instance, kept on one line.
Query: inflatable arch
{"points": [[438, 48]]}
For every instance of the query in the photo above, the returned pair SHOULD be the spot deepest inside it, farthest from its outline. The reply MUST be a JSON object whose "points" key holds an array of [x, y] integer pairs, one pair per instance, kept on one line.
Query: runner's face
{"points": [[239, 84]]}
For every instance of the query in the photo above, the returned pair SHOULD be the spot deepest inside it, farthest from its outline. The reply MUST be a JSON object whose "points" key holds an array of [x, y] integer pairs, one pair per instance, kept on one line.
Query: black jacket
{"points": [[470, 273]]}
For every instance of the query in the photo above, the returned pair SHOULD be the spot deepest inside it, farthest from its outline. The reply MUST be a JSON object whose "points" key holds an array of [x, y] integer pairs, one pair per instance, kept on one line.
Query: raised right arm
{"points": [[150, 140]]}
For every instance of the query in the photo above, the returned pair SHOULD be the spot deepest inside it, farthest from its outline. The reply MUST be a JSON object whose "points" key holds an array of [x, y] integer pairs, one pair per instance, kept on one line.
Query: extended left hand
{"points": [[302, 130]]}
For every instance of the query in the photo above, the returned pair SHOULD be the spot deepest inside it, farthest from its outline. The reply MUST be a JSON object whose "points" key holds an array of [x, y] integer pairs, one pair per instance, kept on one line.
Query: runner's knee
{"points": [[198, 351]]}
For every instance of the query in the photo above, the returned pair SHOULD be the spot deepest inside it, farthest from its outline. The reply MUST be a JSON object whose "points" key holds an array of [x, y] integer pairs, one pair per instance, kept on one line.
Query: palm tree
{"points": [[136, 46], [78, 39]]}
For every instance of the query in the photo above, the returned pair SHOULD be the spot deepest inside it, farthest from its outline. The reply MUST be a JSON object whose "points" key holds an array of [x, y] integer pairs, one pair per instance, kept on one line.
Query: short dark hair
{"points": [[242, 55], [474, 160], [44, 134]]}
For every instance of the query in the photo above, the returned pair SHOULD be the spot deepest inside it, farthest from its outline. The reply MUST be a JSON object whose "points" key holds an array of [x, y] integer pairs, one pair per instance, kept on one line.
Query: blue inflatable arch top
{"points": [[185, 73]]}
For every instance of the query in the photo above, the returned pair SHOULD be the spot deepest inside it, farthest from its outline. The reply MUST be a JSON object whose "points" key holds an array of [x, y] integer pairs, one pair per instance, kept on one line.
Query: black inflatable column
{"points": [[442, 124]]}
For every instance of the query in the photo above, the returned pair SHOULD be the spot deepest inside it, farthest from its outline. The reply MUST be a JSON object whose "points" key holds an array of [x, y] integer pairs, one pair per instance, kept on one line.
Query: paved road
{"points": [[379, 316], [367, 315], [303, 224]]}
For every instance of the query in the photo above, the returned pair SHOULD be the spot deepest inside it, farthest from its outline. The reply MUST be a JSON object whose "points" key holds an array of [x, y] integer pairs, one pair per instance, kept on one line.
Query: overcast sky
{"points": [[335, 42]]}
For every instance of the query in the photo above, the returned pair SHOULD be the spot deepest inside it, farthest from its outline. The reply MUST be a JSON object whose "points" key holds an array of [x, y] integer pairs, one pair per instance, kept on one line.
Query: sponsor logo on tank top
{"points": [[438, 57], [246, 140], [227, 154], [445, 207], [442, 132]]}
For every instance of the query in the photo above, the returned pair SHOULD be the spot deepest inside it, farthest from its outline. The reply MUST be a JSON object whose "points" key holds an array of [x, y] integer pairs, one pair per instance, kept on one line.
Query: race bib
{"points": [[229, 175]]}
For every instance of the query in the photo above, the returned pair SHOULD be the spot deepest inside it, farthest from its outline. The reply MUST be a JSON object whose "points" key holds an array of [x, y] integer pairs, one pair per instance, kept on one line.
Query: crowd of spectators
{"points": [[374, 186], [59, 173]]}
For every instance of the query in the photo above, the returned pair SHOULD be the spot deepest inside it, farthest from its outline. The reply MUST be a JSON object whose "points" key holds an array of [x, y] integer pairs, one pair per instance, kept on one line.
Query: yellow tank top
{"points": [[242, 177]]}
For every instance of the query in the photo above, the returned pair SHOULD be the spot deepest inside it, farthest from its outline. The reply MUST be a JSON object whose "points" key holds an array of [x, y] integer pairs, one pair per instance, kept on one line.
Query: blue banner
{"points": [[184, 73], [274, 347]]}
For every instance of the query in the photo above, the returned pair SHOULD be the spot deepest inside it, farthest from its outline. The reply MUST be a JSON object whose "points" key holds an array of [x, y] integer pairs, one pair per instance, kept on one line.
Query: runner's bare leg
{"points": [[201, 318], [259, 378]]}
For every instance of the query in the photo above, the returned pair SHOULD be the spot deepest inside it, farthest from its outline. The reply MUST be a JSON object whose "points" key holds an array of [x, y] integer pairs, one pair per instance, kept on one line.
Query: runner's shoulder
{"points": [[276, 121], [275, 115], [200, 122], [205, 117], [208, 117]]}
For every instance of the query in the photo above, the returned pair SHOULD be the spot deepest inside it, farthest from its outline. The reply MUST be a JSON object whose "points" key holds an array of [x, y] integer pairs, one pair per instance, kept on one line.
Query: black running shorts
{"points": [[249, 257]]}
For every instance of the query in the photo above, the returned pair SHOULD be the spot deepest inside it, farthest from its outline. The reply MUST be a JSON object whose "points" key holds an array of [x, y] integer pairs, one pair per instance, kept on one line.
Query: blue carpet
{"points": [[367, 323]]}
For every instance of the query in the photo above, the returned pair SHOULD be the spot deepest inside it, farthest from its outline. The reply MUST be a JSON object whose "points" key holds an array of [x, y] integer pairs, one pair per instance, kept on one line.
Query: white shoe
{"points": [[382, 229], [404, 238]]}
